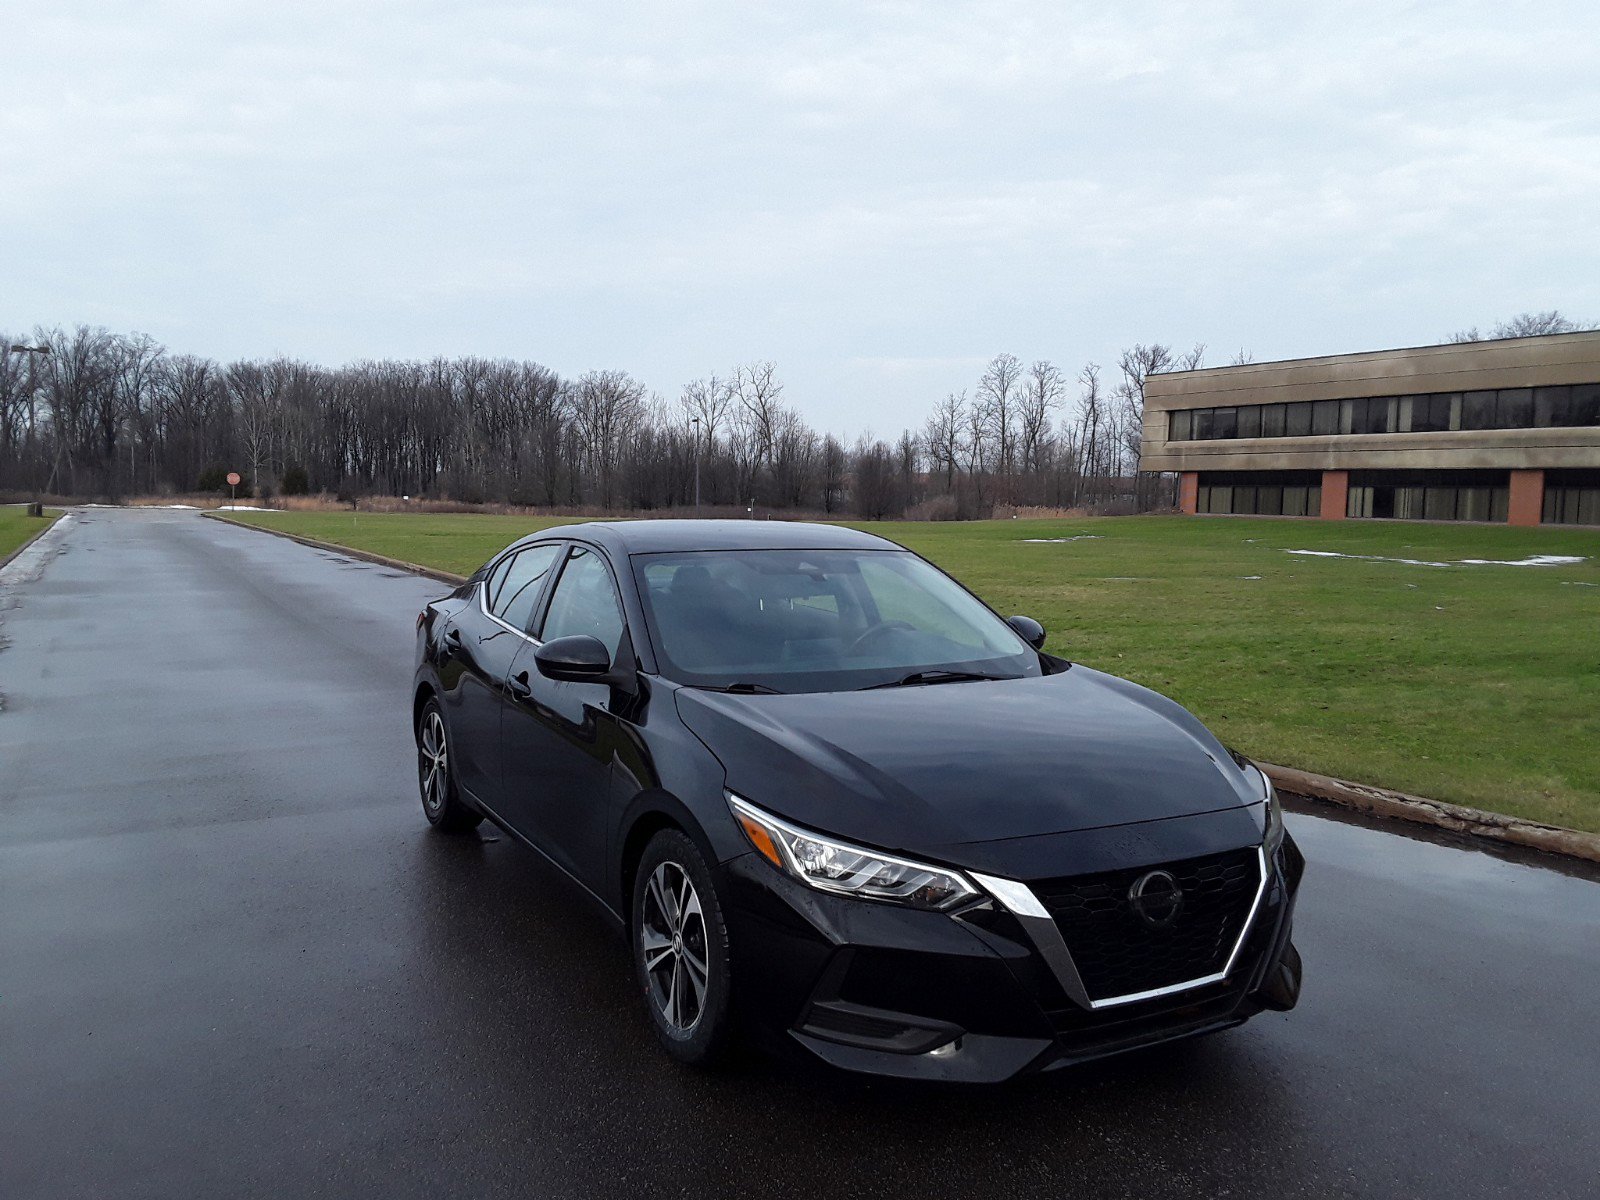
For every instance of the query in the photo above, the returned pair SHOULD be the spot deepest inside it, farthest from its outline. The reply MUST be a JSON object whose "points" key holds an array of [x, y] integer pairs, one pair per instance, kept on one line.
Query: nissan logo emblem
{"points": [[1156, 898]]}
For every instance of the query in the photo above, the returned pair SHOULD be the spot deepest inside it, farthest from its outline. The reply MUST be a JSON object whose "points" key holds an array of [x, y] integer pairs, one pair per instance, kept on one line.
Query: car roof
{"points": [[679, 536]]}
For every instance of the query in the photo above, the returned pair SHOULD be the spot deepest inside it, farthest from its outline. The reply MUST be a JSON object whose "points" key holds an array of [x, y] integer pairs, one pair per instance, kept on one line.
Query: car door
{"points": [[485, 638], [559, 738]]}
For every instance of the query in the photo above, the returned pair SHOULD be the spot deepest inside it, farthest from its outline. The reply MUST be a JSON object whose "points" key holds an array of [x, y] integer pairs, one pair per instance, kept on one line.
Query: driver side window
{"points": [[585, 601]]}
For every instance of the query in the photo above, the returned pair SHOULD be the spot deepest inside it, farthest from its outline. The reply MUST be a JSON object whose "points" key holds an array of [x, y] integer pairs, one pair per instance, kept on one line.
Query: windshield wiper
{"points": [[747, 689], [934, 676]]}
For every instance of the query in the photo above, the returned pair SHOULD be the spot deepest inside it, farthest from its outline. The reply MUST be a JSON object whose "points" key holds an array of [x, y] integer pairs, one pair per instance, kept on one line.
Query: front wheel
{"points": [[436, 778], [680, 949]]}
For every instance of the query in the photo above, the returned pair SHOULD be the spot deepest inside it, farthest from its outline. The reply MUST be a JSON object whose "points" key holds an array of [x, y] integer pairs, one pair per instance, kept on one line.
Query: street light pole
{"points": [[697, 466]]}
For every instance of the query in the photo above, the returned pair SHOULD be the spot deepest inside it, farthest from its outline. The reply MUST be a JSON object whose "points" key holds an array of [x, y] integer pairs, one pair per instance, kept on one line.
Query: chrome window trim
{"points": [[1019, 900], [483, 603]]}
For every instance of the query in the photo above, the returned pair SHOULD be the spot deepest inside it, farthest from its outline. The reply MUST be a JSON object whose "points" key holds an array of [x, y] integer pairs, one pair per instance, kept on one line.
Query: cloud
{"points": [[841, 186]]}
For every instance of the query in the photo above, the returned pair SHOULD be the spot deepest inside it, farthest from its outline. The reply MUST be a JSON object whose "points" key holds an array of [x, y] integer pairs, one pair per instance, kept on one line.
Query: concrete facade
{"points": [[1519, 457]]}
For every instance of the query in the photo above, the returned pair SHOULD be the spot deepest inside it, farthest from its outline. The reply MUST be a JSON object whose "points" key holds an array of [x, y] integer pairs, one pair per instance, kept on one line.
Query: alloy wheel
{"points": [[672, 935], [433, 762]]}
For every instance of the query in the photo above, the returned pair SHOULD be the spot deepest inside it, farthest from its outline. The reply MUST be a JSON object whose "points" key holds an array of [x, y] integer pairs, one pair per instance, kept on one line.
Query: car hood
{"points": [[938, 765]]}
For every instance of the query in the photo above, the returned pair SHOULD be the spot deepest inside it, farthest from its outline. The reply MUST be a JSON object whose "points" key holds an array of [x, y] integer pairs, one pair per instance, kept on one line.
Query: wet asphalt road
{"points": [[234, 962]]}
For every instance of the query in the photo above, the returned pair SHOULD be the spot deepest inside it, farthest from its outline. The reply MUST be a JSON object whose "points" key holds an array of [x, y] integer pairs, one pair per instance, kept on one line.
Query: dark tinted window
{"points": [[1552, 406], [1370, 415], [491, 586], [1272, 420], [1430, 414], [817, 620], [1224, 422], [1249, 424], [1202, 424], [1585, 405], [1297, 421], [1178, 429], [1325, 417], [585, 601], [1477, 410], [521, 585], [1513, 409]]}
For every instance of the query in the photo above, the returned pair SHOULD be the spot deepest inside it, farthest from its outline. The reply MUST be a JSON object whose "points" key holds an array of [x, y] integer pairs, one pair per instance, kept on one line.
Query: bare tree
{"points": [[1528, 324], [942, 436], [1041, 395], [998, 396], [606, 406], [757, 387], [1136, 364]]}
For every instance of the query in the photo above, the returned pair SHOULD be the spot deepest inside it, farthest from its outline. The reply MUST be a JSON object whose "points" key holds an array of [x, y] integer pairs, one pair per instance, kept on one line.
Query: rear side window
{"points": [[520, 584]]}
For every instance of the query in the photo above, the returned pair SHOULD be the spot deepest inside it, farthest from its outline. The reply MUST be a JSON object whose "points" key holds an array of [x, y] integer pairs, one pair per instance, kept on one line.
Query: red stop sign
{"points": [[233, 479]]}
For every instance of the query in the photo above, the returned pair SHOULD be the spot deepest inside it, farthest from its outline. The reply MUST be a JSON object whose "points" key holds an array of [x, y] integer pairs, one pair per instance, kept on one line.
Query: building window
{"points": [[1437, 412], [1431, 414], [1429, 495], [1551, 406], [1514, 409], [1477, 410], [1585, 405], [1572, 497]]}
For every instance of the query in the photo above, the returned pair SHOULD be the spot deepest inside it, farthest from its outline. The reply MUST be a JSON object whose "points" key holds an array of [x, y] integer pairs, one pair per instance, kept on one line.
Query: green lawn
{"points": [[16, 527], [1473, 684]]}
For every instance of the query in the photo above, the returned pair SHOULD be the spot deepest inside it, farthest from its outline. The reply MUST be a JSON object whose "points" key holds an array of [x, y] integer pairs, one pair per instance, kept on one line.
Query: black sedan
{"points": [[839, 804]]}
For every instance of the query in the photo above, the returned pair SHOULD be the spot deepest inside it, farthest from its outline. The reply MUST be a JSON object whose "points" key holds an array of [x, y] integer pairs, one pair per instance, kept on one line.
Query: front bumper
{"points": [[969, 996]]}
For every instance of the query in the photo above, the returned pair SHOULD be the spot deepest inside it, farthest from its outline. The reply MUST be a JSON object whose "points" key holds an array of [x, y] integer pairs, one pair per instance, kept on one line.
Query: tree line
{"points": [[87, 412]]}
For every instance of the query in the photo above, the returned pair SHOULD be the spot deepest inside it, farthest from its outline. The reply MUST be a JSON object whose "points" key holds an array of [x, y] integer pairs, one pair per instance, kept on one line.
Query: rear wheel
{"points": [[680, 949], [441, 799]]}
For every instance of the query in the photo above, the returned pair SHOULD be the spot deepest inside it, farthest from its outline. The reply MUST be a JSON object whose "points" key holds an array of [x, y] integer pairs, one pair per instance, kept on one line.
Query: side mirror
{"points": [[576, 659], [1028, 630]]}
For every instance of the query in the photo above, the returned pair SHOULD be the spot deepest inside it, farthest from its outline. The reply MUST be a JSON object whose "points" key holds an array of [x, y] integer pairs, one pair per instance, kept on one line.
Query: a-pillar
{"points": [[1335, 494], [1189, 492], [1526, 505]]}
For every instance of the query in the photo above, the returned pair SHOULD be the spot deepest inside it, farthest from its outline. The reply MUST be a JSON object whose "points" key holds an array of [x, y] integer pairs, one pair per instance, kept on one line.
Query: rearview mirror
{"points": [[1028, 630], [576, 659]]}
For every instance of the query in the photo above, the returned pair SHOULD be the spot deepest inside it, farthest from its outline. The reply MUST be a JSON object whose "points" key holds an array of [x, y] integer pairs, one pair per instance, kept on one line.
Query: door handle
{"points": [[519, 686]]}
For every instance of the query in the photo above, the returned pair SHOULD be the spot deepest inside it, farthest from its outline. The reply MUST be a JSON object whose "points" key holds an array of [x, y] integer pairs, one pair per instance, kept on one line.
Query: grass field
{"points": [[16, 527], [1478, 684]]}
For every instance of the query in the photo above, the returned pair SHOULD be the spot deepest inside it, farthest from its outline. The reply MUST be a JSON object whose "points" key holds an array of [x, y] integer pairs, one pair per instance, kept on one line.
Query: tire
{"points": [[681, 959], [436, 776]]}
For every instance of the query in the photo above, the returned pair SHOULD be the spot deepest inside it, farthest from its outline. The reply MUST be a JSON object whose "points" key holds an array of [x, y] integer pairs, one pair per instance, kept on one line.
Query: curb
{"points": [[1364, 798], [365, 555], [48, 526], [1400, 806]]}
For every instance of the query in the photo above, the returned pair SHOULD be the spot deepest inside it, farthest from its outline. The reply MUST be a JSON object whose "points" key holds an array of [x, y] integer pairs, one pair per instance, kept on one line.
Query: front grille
{"points": [[1118, 954]]}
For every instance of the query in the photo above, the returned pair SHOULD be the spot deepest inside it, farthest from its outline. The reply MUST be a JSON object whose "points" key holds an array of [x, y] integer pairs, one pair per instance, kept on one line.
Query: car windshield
{"points": [[818, 620]]}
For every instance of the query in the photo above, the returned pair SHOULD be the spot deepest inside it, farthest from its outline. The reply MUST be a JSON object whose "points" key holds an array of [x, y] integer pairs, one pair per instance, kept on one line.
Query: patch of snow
{"points": [[1077, 537], [1249, 577], [241, 508], [1533, 560], [1577, 583]]}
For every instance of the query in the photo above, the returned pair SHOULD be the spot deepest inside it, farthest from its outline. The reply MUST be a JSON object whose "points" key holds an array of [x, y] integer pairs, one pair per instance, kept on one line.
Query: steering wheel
{"points": [[880, 628]]}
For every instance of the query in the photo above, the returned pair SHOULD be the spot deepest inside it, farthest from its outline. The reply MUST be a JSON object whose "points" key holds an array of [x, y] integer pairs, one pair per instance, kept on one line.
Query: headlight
{"points": [[847, 870], [1272, 836]]}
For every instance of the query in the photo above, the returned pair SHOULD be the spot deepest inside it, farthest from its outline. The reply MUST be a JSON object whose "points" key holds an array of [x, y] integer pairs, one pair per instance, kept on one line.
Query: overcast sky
{"points": [[877, 196]]}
